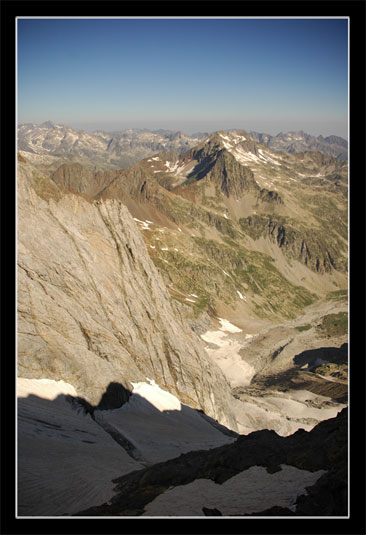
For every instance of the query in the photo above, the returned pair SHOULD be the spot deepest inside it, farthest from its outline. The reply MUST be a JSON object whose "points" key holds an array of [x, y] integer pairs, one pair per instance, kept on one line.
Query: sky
{"points": [[193, 75]]}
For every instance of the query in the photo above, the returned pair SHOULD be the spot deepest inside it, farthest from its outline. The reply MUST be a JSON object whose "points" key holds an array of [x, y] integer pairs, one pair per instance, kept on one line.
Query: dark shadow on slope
{"points": [[200, 170], [314, 357], [45, 423], [114, 397], [322, 448], [325, 447], [322, 371]]}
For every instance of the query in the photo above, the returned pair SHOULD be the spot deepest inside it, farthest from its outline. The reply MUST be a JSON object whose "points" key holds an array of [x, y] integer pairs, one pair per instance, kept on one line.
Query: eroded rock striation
{"points": [[93, 309]]}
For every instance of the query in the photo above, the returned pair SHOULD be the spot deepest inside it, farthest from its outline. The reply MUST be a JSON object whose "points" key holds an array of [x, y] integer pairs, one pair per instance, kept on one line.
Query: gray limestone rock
{"points": [[94, 310]]}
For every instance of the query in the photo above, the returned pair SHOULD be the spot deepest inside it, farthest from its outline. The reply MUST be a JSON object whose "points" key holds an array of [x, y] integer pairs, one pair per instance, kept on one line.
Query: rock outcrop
{"points": [[322, 449], [93, 309], [308, 246]]}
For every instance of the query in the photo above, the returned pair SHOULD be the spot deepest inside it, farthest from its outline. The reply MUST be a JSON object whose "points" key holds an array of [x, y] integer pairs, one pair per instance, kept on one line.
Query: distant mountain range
{"points": [[166, 308], [296, 142], [105, 150], [113, 150]]}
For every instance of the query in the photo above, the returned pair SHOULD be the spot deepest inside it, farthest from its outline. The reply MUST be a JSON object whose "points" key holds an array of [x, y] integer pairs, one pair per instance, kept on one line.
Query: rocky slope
{"points": [[186, 293], [168, 488], [93, 309], [261, 230], [297, 202]]}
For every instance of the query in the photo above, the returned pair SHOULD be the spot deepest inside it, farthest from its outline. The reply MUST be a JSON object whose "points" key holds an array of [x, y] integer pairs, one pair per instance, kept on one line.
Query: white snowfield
{"points": [[226, 354], [66, 461], [233, 137], [265, 157], [232, 142], [284, 413], [250, 491], [229, 327], [159, 425]]}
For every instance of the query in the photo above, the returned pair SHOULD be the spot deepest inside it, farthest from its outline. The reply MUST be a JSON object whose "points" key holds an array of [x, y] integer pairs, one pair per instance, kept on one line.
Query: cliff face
{"points": [[319, 251], [93, 308]]}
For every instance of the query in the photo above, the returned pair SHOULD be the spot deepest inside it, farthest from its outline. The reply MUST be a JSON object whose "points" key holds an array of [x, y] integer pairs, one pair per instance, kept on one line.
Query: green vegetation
{"points": [[334, 324], [336, 370], [302, 328]]}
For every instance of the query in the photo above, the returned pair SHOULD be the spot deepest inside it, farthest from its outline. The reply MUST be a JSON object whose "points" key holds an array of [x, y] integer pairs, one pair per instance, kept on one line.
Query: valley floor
{"points": [[270, 370], [68, 460]]}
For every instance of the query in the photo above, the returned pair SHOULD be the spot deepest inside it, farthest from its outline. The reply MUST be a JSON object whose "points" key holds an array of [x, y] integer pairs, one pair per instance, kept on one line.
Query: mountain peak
{"points": [[47, 124]]}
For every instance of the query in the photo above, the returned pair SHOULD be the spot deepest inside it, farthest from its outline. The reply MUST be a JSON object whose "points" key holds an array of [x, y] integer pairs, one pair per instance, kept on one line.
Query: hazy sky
{"points": [[268, 75]]}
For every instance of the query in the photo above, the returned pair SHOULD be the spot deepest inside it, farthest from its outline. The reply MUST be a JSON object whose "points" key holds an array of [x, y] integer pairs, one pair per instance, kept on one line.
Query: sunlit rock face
{"points": [[93, 308]]}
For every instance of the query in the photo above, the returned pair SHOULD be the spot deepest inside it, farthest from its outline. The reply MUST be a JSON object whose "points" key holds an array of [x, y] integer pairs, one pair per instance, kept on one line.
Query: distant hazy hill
{"points": [[113, 150], [104, 150], [300, 142]]}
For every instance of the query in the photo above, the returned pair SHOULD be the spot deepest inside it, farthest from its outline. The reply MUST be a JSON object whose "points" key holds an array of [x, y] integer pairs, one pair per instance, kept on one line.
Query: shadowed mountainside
{"points": [[325, 447]]}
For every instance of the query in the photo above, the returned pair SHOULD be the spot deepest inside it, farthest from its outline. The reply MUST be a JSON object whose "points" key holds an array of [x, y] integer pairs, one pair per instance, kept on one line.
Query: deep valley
{"points": [[182, 324]]}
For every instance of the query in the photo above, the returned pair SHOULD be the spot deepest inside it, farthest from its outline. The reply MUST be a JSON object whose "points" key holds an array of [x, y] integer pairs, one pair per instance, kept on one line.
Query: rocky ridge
{"points": [[107, 298], [232, 196], [93, 309], [102, 149]]}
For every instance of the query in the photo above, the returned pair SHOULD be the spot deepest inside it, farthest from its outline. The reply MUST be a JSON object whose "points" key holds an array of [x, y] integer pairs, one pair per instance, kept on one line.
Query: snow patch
{"points": [[159, 425], [239, 138], [226, 355], [156, 396], [145, 225], [227, 145], [66, 461], [174, 167], [44, 388], [228, 327], [249, 491]]}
